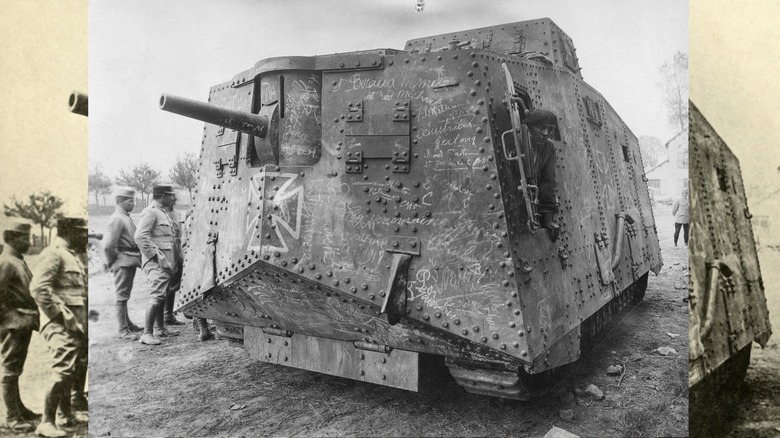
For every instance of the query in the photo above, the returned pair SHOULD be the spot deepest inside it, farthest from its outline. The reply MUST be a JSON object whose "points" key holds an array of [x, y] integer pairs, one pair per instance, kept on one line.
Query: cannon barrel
{"points": [[78, 103], [241, 121]]}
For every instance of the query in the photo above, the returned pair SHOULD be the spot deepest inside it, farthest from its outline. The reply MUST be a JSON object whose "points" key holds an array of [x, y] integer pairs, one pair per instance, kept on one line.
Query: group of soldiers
{"points": [[154, 245], [51, 299]]}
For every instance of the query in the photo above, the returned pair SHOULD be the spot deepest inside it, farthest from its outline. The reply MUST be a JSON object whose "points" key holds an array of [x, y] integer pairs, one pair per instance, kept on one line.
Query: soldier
{"points": [[18, 319], [542, 125], [122, 258], [59, 287], [680, 213], [160, 258], [175, 284]]}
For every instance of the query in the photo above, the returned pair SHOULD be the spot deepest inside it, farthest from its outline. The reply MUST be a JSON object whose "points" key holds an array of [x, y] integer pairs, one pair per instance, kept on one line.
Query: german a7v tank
{"points": [[361, 214], [727, 307]]}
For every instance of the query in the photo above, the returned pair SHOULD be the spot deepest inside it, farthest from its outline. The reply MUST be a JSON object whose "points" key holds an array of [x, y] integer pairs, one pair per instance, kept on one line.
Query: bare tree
{"points": [[98, 184], [41, 208], [653, 151], [184, 172], [140, 177], [674, 74]]}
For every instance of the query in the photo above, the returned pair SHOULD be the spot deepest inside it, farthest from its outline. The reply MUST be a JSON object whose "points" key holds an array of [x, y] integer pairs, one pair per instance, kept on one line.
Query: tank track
{"points": [[712, 400], [516, 383]]}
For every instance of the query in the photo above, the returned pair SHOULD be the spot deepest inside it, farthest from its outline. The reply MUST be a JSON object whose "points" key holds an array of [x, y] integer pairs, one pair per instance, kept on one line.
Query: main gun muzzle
{"points": [[241, 121], [78, 104]]}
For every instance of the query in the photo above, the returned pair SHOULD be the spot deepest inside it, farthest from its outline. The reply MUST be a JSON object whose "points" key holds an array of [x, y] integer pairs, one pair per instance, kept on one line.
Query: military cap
{"points": [[540, 117], [71, 223], [125, 192], [18, 226], [162, 189]]}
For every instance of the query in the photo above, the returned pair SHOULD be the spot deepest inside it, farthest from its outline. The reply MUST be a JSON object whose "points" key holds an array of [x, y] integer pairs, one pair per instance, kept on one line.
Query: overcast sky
{"points": [[735, 60], [139, 50], [43, 57]]}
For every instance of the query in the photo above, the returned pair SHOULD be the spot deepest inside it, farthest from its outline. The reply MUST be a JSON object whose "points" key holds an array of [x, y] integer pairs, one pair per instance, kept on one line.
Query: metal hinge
{"points": [[355, 111]]}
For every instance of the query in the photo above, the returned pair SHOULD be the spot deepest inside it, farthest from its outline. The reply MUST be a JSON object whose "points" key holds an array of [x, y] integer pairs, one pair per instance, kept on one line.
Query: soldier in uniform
{"points": [[542, 125], [122, 258], [680, 213], [59, 287], [18, 319], [160, 258], [175, 284]]}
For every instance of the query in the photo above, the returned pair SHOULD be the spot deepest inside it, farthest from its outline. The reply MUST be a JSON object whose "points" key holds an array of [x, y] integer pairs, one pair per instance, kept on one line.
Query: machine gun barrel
{"points": [[249, 123], [78, 103]]}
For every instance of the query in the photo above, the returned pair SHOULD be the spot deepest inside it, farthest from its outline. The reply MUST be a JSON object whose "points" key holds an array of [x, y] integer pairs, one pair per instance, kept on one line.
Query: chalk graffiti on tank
{"points": [[383, 204]]}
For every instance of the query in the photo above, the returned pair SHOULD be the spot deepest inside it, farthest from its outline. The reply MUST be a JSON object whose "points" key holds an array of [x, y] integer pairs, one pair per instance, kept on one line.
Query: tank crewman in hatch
{"points": [[156, 240], [59, 286], [542, 124], [18, 319], [122, 258]]}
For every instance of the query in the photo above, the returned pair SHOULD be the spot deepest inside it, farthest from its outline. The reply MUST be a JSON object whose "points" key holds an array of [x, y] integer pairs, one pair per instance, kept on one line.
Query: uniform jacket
{"points": [[59, 286], [680, 211], [543, 173], [119, 243], [155, 236], [17, 307]]}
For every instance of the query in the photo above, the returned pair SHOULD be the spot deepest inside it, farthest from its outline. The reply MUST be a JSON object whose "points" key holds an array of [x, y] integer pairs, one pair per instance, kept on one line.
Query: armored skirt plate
{"points": [[397, 369]]}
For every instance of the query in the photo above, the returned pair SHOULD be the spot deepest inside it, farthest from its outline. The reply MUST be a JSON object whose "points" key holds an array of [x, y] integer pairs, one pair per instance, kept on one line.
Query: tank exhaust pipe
{"points": [[78, 103], [714, 269], [622, 218]]}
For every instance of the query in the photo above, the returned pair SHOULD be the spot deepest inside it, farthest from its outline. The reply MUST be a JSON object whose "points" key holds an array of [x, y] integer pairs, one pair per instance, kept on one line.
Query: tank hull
{"points": [[385, 206], [727, 305]]}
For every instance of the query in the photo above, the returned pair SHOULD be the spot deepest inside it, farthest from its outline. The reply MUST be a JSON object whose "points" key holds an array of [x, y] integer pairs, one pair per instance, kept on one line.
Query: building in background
{"points": [[667, 178]]}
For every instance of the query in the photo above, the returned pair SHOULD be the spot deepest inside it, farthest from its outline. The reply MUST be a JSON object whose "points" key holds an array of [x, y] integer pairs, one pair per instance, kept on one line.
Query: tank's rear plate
{"points": [[397, 369]]}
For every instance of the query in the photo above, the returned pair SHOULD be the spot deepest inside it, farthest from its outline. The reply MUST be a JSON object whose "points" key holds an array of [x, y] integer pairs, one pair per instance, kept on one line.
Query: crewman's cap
{"points": [[125, 192], [162, 189], [70, 223], [540, 117], [18, 226]]}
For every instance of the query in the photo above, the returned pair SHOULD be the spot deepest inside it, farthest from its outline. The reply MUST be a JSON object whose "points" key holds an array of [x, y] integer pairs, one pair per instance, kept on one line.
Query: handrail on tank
{"points": [[714, 269], [620, 236], [78, 103], [249, 123], [529, 192]]}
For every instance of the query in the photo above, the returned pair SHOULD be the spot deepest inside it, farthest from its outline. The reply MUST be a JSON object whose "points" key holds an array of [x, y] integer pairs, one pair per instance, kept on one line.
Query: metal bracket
{"points": [[355, 111], [404, 245], [401, 111], [218, 166]]}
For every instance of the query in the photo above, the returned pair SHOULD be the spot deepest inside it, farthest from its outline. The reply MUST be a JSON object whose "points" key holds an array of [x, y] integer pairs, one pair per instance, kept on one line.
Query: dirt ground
{"points": [[32, 383], [189, 388]]}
